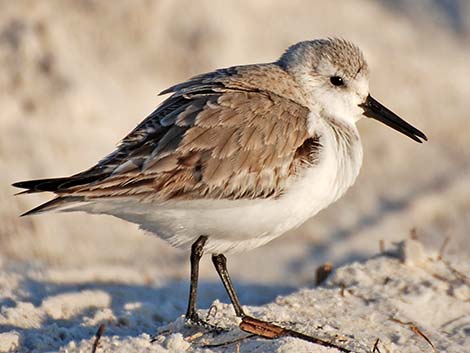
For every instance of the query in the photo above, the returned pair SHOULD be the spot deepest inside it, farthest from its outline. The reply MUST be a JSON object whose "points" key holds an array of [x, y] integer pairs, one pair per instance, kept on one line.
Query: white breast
{"points": [[234, 226]]}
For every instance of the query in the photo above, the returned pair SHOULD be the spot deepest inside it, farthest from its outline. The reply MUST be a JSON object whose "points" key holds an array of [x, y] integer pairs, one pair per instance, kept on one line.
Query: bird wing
{"points": [[219, 135]]}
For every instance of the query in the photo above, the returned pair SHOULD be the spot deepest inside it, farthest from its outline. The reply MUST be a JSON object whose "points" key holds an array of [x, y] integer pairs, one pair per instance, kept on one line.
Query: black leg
{"points": [[220, 263], [197, 250]]}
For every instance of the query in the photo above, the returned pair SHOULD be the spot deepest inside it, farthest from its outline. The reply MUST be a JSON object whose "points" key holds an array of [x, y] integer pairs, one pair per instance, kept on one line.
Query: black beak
{"points": [[377, 111]]}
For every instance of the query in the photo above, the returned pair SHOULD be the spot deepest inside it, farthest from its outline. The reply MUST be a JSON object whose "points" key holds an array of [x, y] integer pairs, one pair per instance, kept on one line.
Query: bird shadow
{"points": [[136, 308]]}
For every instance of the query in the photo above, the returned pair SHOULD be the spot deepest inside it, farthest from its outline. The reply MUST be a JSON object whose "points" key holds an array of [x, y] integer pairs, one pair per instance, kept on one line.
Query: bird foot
{"points": [[195, 320]]}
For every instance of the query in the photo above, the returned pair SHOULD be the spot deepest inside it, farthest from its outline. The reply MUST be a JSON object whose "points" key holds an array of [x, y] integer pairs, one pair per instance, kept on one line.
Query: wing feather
{"points": [[219, 135]]}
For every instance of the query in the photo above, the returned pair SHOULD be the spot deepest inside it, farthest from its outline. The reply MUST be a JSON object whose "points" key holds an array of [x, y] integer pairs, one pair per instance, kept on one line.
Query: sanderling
{"points": [[236, 157]]}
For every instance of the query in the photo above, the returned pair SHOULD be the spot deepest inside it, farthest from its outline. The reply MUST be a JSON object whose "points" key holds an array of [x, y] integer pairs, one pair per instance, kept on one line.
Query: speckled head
{"points": [[322, 55], [333, 74], [334, 77]]}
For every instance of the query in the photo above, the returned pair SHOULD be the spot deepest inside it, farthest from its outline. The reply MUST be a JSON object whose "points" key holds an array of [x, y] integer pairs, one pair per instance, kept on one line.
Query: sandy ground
{"points": [[77, 76], [403, 300]]}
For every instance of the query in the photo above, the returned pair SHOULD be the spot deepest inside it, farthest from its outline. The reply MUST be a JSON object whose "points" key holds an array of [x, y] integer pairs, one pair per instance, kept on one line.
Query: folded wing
{"points": [[217, 136]]}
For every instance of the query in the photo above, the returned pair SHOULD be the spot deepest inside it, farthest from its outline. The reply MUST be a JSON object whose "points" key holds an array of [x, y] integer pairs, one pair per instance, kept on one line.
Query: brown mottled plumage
{"points": [[231, 134]]}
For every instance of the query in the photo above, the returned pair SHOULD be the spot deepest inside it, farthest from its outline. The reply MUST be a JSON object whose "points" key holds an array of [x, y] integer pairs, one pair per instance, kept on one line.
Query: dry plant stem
{"points": [[194, 337], [443, 248], [237, 341], [322, 273], [376, 349], [98, 335], [381, 246], [417, 331], [211, 312], [155, 337], [459, 275], [271, 331]]}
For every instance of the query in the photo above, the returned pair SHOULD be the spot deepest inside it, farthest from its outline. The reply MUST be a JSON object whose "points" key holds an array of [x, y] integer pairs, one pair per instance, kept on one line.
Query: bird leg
{"points": [[197, 250], [220, 263], [255, 326], [192, 318], [248, 324]]}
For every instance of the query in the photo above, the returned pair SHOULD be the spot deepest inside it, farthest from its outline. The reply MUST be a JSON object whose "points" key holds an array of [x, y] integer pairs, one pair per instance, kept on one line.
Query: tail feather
{"points": [[57, 185], [54, 184], [58, 204]]}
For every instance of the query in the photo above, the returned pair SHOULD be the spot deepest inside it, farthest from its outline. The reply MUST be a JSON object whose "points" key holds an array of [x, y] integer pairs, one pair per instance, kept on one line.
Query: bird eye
{"points": [[336, 81]]}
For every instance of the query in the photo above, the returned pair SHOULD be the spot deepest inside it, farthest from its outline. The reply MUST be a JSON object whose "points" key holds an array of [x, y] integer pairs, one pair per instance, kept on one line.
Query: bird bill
{"points": [[373, 109]]}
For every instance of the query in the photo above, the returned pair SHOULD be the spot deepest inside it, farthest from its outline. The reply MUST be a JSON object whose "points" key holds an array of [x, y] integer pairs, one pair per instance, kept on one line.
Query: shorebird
{"points": [[236, 157]]}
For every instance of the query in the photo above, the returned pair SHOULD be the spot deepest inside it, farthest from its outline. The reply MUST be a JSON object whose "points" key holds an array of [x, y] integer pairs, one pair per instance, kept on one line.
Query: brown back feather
{"points": [[234, 133]]}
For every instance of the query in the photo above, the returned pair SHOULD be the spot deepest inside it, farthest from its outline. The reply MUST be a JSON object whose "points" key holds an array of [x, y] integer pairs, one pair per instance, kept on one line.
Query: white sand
{"points": [[382, 298]]}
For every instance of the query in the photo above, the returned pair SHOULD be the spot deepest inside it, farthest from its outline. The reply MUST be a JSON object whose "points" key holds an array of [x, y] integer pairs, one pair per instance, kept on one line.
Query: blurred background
{"points": [[76, 76]]}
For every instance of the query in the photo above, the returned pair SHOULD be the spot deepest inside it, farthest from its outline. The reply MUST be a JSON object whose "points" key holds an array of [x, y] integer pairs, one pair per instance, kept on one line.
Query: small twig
{"points": [[268, 330], [417, 331], [160, 333], [223, 344], [459, 275], [375, 348], [194, 337], [211, 312], [442, 248], [381, 246], [322, 273], [342, 289], [98, 335]]}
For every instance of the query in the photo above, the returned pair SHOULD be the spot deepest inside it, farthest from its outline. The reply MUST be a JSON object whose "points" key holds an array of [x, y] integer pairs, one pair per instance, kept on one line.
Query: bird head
{"points": [[334, 77]]}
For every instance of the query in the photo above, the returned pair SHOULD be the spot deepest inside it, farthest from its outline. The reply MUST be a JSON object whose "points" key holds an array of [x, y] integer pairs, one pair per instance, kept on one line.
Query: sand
{"points": [[402, 300]]}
